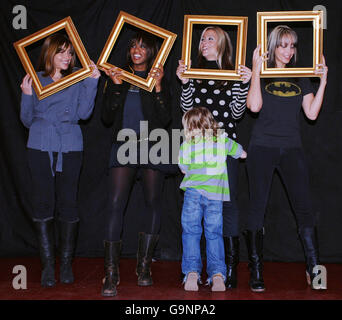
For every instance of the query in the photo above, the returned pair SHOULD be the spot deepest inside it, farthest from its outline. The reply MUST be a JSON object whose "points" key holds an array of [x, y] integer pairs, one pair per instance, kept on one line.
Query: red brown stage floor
{"points": [[283, 281]]}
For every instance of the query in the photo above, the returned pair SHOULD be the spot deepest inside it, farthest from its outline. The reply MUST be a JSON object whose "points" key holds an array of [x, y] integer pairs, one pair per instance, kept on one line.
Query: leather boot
{"points": [[46, 238], [111, 267], [231, 246], [68, 232], [146, 246], [254, 241], [308, 237]]}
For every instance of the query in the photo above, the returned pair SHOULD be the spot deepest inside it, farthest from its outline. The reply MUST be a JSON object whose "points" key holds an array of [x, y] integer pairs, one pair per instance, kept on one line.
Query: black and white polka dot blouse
{"points": [[226, 104]]}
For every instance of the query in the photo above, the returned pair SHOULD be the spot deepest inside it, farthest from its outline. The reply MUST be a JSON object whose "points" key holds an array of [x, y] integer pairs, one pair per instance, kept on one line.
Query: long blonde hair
{"points": [[275, 40], [199, 122], [224, 49]]}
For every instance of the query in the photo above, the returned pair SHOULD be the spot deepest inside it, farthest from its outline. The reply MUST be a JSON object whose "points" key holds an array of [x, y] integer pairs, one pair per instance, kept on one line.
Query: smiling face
{"points": [[208, 45], [62, 58], [285, 51], [139, 56]]}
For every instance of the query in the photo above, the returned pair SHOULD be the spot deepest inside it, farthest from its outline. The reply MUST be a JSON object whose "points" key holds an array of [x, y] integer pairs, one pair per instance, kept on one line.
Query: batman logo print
{"points": [[283, 89]]}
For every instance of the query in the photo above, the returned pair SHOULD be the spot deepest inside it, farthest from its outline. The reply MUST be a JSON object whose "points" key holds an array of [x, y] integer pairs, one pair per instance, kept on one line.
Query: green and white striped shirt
{"points": [[203, 161]]}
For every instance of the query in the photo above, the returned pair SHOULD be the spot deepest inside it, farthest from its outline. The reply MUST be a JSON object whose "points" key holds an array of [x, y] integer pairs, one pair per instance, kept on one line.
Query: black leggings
{"points": [[121, 181], [292, 167], [58, 191]]}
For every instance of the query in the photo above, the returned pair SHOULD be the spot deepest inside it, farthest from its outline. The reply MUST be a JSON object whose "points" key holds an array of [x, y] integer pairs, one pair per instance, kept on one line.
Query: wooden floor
{"points": [[283, 281]]}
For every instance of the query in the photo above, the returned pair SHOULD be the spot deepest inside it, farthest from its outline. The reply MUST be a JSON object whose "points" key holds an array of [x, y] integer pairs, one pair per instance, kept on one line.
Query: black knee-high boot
{"points": [[68, 232], [146, 246], [111, 267], [46, 239], [308, 237], [231, 245], [254, 240]]}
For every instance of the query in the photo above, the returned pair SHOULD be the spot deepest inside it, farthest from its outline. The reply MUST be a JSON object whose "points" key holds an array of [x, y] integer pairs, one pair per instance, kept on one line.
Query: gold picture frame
{"points": [[290, 16], [241, 44], [169, 39], [84, 72]]}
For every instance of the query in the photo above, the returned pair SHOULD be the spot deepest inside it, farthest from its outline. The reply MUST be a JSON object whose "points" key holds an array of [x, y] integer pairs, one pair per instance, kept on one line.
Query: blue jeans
{"points": [[195, 208]]}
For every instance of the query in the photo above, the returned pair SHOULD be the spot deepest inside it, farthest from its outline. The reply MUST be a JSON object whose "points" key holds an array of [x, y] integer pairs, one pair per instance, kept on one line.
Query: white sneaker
{"points": [[191, 283], [218, 283]]}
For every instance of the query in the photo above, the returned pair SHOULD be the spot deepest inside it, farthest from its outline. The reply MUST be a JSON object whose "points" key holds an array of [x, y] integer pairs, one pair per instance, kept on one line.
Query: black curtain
{"points": [[94, 21]]}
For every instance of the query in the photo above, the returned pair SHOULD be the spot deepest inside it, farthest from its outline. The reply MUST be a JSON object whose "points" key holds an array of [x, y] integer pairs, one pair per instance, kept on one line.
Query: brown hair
{"points": [[51, 46], [275, 40], [199, 121], [149, 42]]}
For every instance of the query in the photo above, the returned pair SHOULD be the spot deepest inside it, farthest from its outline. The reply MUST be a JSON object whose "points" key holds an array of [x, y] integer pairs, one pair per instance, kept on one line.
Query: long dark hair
{"points": [[149, 42], [52, 45]]}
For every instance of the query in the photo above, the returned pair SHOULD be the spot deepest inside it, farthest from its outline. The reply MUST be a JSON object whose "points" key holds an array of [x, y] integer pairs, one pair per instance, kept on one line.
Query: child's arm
{"points": [[235, 150]]}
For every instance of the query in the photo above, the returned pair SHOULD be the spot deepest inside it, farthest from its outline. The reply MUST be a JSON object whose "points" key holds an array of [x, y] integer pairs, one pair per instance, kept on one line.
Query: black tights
{"points": [[121, 181]]}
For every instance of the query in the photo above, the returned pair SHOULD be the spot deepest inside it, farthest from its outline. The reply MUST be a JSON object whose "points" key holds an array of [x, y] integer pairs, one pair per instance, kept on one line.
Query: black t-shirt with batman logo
{"points": [[278, 121]]}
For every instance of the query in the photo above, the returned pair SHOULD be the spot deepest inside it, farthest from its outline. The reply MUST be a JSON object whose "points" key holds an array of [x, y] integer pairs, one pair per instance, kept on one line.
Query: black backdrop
{"points": [[94, 20]]}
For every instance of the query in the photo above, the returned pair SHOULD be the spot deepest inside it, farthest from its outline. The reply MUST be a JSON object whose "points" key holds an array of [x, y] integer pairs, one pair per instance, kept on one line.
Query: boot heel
{"points": [[111, 268], [146, 246], [46, 240], [254, 241], [308, 279]]}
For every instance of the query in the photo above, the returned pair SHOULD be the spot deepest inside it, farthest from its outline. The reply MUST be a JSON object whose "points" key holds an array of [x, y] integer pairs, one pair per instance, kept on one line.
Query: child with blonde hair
{"points": [[202, 158]]}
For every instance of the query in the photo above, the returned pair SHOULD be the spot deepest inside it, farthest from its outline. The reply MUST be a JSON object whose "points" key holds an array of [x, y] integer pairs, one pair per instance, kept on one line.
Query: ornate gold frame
{"points": [[169, 38], [67, 24], [241, 44], [285, 16]]}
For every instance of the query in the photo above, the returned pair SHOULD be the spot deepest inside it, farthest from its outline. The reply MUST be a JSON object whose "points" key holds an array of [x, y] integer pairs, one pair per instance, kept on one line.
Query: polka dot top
{"points": [[226, 104]]}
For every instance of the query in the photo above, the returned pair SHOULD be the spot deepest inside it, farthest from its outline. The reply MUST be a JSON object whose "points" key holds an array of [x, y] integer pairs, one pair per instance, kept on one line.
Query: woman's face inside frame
{"points": [[208, 45], [139, 55], [285, 51], [62, 58]]}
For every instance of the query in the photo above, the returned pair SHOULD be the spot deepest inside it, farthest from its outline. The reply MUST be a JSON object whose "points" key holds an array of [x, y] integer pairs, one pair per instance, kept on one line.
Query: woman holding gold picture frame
{"points": [[125, 107], [55, 147], [227, 102], [276, 144]]}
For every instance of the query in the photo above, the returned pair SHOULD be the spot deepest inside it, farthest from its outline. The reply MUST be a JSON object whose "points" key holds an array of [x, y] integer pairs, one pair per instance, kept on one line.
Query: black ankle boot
{"points": [[231, 246], [146, 246], [254, 241], [68, 237], [46, 239], [308, 237], [111, 267]]}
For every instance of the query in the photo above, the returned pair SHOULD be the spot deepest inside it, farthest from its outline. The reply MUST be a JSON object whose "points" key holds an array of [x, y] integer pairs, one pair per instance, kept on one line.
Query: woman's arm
{"points": [[162, 96], [186, 101], [254, 97], [238, 103], [312, 104], [87, 94], [27, 105], [113, 96], [239, 92]]}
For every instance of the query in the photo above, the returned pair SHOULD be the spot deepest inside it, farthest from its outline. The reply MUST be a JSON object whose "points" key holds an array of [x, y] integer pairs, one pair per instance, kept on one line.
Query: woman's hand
{"points": [[258, 59], [96, 73], [158, 74], [114, 74], [180, 69], [322, 70], [26, 85], [245, 73]]}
